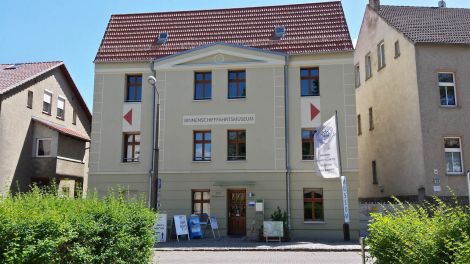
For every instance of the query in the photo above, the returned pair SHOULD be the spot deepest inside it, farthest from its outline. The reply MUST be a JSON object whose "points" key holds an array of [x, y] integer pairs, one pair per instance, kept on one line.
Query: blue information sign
{"points": [[194, 224]]}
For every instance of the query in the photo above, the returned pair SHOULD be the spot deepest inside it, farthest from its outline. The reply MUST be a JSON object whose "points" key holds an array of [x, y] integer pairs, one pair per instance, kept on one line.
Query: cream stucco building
{"points": [[44, 128], [239, 102], [413, 101]]}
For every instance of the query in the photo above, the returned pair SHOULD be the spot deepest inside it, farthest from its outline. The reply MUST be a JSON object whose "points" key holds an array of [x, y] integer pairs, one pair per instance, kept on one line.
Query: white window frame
{"points": [[447, 84], [37, 147], [381, 55], [368, 68], [44, 101], [454, 150], [60, 99]]}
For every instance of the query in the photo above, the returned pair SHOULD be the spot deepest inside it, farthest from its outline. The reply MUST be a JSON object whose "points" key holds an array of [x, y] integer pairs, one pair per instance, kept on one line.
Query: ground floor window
{"points": [[313, 204], [201, 202], [44, 147], [131, 147], [453, 153]]}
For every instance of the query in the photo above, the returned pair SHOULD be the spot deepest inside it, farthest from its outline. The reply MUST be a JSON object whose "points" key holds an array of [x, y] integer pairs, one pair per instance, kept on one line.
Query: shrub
{"points": [[42, 227], [429, 233]]}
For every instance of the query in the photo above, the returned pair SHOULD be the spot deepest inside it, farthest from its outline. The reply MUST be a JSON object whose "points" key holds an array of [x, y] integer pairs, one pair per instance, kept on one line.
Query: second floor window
{"points": [[61, 108], [30, 99], [202, 150], [447, 89], [202, 85], [453, 154], [236, 145], [359, 125], [371, 119], [46, 103], [131, 147], [134, 88], [368, 67], [308, 135], [309, 82], [357, 75], [236, 84], [74, 118], [381, 55], [397, 49]]}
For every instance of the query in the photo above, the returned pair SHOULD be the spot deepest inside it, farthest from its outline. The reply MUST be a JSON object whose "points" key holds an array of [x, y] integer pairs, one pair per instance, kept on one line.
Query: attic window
{"points": [[13, 66], [279, 31], [162, 37]]}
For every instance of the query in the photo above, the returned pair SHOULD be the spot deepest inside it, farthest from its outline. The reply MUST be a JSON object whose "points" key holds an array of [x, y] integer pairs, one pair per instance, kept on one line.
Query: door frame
{"points": [[229, 198]]}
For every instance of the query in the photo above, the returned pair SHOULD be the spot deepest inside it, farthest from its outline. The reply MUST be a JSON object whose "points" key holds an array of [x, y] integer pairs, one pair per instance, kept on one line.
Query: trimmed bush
{"points": [[429, 233], [42, 227]]}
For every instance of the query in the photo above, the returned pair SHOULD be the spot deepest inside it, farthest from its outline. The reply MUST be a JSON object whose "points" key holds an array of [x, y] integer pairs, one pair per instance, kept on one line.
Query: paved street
{"points": [[258, 257]]}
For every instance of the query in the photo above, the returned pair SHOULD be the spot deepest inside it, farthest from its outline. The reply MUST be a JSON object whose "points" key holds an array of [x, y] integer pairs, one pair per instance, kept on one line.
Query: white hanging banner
{"points": [[326, 149], [344, 188]]}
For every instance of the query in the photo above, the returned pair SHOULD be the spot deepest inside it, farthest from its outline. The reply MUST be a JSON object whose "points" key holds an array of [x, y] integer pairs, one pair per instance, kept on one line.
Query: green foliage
{"points": [[278, 215], [42, 227], [429, 233]]}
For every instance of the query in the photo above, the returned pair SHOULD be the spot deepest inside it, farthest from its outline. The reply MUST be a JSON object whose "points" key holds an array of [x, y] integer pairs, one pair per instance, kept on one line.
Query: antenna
{"points": [[162, 37], [279, 31], [442, 4]]}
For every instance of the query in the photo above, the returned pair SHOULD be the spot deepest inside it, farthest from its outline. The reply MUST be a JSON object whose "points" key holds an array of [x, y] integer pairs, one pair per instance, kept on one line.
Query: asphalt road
{"points": [[258, 257]]}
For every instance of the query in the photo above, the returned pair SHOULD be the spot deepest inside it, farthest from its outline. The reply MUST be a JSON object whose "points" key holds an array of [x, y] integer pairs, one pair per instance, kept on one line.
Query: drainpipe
{"points": [[286, 140]]}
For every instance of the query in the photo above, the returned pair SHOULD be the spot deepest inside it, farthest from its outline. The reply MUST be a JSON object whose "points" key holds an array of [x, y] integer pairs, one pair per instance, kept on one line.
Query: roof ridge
{"points": [[226, 9], [427, 7], [32, 62]]}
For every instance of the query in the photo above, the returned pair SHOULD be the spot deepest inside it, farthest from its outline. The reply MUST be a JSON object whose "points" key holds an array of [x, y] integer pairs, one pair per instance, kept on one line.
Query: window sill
{"points": [[381, 68], [240, 160], [308, 160], [368, 78], [201, 161], [46, 113], [40, 157], [455, 174], [236, 99], [136, 102], [314, 222], [60, 118], [397, 56], [130, 162], [30, 107], [202, 100], [449, 106], [310, 95]]}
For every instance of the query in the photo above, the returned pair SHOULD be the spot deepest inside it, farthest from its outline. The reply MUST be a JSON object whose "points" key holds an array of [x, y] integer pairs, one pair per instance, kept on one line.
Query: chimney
{"points": [[374, 4], [442, 4]]}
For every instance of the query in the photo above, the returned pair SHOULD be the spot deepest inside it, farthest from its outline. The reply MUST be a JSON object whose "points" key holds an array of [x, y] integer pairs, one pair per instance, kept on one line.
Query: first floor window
{"points": [[201, 200], [61, 108], [368, 63], [202, 150], [307, 143], [236, 84], [43, 147], [371, 119], [131, 147], [46, 103], [313, 205], [447, 89], [381, 55], [236, 145], [359, 125], [357, 75], [397, 49], [74, 118], [202, 85], [309, 82], [453, 153]]}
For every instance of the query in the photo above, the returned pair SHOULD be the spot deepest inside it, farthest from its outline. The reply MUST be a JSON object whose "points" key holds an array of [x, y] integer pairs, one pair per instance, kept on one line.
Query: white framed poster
{"points": [[160, 228], [181, 225]]}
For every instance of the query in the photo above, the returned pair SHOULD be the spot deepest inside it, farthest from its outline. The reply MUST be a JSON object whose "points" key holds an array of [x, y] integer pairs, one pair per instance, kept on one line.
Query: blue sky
{"points": [[71, 30]]}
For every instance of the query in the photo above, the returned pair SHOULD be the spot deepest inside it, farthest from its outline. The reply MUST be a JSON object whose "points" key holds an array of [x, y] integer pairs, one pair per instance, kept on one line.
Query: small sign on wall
{"points": [[310, 112], [131, 117]]}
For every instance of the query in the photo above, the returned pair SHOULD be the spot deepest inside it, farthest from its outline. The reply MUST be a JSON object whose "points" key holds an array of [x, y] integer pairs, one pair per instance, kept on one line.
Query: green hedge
{"points": [[430, 233], [41, 227]]}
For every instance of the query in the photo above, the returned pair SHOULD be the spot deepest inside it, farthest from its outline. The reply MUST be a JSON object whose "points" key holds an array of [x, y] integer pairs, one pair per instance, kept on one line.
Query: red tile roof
{"points": [[61, 129], [310, 28], [429, 24], [21, 73]]}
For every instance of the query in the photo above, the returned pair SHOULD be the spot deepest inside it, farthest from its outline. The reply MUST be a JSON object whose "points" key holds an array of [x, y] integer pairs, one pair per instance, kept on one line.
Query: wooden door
{"points": [[236, 212]]}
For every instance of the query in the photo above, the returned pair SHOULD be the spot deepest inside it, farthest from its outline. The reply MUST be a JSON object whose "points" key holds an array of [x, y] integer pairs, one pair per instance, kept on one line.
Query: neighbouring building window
{"points": [[357, 75], [236, 145], [313, 205], [236, 84], [43, 147], [453, 153], [374, 172], [397, 49], [61, 108], [368, 66], [381, 54], [74, 118], [202, 85], [447, 89], [202, 150], [310, 82], [46, 103], [131, 147], [371, 119], [308, 135], [30, 99], [134, 88], [359, 125], [201, 201]]}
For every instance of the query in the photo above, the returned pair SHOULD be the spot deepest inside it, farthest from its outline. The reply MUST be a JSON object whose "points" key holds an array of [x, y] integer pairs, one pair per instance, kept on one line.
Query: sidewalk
{"points": [[241, 244]]}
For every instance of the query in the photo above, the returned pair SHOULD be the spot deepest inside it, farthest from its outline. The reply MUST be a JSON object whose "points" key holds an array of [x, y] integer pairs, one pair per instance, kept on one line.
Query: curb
{"points": [[221, 249]]}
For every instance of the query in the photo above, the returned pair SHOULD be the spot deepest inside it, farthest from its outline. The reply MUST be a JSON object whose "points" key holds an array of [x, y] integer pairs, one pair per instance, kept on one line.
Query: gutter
{"points": [[286, 140]]}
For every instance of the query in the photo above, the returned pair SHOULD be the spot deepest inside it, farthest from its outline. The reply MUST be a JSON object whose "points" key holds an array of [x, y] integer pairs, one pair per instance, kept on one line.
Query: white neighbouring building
{"points": [[242, 92]]}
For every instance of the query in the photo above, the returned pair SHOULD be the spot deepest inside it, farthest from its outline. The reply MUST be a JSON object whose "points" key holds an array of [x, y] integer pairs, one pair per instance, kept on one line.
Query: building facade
{"points": [[44, 128], [412, 101], [239, 105]]}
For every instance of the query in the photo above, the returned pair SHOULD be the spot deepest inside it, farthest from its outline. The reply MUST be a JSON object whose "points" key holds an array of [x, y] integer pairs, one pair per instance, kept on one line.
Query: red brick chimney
{"points": [[374, 4]]}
